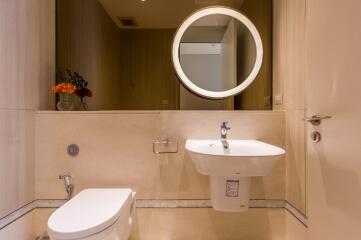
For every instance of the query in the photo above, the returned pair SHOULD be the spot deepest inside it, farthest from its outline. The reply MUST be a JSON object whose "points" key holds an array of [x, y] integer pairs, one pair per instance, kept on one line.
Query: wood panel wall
{"points": [[126, 69], [148, 81], [258, 96], [88, 42]]}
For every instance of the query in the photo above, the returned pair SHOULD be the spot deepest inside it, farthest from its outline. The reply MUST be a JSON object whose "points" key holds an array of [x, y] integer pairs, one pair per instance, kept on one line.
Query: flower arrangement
{"points": [[64, 88], [75, 84], [82, 89]]}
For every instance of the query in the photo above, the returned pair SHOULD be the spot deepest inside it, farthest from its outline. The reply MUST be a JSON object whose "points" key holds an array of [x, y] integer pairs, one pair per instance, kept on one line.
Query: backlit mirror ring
{"points": [[176, 52]]}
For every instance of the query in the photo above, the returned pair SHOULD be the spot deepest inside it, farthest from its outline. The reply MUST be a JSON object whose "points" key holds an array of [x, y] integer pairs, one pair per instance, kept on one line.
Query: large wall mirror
{"points": [[123, 51]]}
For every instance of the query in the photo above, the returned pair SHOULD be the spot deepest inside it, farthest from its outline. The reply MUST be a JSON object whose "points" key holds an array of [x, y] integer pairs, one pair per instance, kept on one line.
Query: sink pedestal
{"points": [[231, 169], [230, 194]]}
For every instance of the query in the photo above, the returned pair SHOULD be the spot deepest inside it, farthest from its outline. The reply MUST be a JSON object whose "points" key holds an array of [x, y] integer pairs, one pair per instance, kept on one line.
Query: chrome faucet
{"points": [[68, 186], [224, 130]]}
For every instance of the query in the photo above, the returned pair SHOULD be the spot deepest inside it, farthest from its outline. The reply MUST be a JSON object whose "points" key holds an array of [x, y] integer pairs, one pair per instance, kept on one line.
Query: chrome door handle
{"points": [[316, 120]]}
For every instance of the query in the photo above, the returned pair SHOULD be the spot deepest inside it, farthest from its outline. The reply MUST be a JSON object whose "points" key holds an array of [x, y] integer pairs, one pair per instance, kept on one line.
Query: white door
{"points": [[334, 88]]}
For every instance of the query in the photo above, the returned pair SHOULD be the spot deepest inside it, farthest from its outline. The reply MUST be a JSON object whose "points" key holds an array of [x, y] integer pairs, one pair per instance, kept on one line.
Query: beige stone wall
{"points": [[116, 151], [26, 75], [289, 84], [26, 69]]}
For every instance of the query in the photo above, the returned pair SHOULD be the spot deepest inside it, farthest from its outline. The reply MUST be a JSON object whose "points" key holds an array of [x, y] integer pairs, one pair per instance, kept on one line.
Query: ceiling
{"points": [[214, 20], [209, 29], [159, 13]]}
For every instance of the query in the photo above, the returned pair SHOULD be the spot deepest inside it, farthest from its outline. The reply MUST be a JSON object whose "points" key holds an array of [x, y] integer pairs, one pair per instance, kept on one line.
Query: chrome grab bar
{"points": [[166, 142]]}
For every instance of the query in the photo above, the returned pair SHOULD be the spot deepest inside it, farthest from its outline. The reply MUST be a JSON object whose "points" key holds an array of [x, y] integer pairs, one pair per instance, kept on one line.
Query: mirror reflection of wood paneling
{"points": [[147, 78], [126, 69], [258, 96], [88, 42]]}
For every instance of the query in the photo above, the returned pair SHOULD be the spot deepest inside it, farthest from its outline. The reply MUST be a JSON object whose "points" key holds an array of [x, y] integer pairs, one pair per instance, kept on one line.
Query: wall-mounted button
{"points": [[73, 150]]}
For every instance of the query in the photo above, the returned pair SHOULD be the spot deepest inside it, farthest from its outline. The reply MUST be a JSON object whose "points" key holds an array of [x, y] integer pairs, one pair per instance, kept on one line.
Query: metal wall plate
{"points": [[165, 146]]}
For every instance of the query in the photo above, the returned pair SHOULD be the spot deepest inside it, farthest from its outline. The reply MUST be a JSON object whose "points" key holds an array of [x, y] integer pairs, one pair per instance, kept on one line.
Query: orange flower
{"points": [[64, 88]]}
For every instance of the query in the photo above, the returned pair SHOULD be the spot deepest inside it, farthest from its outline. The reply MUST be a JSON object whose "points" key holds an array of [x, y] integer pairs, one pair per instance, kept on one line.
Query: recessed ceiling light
{"points": [[143, 0]]}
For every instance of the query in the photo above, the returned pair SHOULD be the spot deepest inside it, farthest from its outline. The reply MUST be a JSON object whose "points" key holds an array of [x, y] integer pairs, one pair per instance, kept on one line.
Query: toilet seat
{"points": [[88, 213]]}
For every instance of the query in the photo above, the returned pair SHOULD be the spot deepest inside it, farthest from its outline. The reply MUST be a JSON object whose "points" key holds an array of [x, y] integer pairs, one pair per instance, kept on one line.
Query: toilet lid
{"points": [[89, 212]]}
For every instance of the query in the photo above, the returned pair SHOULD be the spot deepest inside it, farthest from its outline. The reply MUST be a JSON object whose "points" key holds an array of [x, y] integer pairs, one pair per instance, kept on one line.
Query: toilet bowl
{"points": [[94, 214]]}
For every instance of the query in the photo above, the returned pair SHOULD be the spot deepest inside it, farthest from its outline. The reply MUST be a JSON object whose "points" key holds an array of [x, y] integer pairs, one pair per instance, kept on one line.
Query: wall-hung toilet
{"points": [[94, 214]]}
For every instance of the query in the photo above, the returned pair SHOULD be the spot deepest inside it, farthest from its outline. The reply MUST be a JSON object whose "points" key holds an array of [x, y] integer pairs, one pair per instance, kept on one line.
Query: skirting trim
{"points": [[156, 203]]}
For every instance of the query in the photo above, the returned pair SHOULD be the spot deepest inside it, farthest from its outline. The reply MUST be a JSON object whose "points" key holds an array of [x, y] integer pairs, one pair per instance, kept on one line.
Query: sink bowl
{"points": [[242, 158], [230, 169]]}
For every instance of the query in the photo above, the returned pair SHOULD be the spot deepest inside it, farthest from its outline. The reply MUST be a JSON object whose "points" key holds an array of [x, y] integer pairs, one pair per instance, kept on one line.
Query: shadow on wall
{"points": [[174, 175], [342, 187], [296, 175]]}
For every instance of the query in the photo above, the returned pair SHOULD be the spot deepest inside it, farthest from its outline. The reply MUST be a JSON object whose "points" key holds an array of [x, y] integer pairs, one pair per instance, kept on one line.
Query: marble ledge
{"points": [[158, 111]]}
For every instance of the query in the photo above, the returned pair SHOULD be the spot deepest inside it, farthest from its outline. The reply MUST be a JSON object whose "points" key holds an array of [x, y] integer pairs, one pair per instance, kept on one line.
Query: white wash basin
{"points": [[242, 158], [230, 168]]}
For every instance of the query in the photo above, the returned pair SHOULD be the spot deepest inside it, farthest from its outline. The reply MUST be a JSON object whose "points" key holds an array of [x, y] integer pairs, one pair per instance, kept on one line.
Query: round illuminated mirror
{"points": [[217, 52]]}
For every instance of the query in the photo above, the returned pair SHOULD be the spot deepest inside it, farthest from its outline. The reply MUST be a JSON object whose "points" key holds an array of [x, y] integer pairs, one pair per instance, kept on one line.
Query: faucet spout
{"points": [[224, 131], [225, 144]]}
